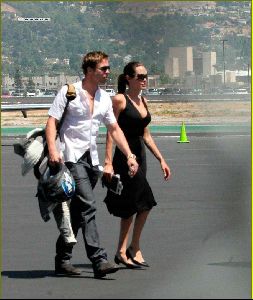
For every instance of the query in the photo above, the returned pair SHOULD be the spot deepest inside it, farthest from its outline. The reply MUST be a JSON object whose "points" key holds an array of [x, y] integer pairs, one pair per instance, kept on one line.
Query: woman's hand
{"points": [[133, 166], [165, 169]]}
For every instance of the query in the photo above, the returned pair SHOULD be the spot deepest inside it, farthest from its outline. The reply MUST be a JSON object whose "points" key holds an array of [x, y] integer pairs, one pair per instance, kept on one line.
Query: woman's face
{"points": [[140, 79]]}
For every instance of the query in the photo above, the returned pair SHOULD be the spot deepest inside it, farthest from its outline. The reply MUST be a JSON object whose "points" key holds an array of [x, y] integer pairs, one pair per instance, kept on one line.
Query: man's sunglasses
{"points": [[141, 76], [105, 68]]}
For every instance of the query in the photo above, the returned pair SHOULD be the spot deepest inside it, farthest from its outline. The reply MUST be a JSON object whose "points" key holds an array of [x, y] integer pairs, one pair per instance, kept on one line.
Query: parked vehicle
{"points": [[111, 92], [241, 91], [152, 92], [48, 94], [227, 91], [30, 94], [167, 91], [17, 94]]}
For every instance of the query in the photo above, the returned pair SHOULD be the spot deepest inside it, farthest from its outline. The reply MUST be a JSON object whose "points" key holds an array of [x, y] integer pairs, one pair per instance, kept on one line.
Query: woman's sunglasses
{"points": [[141, 76]]}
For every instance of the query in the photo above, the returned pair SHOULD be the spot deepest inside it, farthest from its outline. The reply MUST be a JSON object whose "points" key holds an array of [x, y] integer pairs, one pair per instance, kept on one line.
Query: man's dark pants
{"points": [[82, 212]]}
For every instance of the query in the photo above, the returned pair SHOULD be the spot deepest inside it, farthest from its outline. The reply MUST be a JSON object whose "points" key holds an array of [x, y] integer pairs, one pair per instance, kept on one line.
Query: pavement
{"points": [[172, 130], [197, 240]]}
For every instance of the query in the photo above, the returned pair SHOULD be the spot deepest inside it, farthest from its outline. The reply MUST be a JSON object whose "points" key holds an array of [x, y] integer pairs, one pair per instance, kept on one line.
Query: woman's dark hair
{"points": [[130, 71]]}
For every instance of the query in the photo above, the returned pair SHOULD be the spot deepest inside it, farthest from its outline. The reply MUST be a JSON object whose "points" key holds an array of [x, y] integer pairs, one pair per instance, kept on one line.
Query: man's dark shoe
{"points": [[67, 269], [103, 268]]}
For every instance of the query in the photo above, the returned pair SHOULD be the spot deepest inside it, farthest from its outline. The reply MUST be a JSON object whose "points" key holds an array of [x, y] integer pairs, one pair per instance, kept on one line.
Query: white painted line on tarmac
{"points": [[200, 149]]}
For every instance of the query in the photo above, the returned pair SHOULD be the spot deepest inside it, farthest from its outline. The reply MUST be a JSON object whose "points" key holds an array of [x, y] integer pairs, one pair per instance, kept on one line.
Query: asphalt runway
{"points": [[197, 239]]}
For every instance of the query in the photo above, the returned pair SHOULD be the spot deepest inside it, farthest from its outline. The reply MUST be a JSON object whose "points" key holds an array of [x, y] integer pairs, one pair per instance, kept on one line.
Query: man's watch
{"points": [[131, 156]]}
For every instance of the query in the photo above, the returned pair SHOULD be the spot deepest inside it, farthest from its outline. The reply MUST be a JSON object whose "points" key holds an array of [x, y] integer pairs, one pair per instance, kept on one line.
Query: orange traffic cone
{"points": [[183, 135]]}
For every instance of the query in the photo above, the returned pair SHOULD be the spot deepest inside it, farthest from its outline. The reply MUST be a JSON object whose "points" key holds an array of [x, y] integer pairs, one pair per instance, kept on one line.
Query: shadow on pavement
{"points": [[234, 264], [32, 274]]}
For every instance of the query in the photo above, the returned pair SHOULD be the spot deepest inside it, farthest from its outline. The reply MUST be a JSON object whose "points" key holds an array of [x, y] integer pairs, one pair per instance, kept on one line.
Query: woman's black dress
{"points": [[136, 195]]}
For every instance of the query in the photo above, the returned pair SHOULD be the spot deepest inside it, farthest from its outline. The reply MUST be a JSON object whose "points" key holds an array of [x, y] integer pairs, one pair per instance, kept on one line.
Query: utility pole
{"points": [[248, 76], [223, 56]]}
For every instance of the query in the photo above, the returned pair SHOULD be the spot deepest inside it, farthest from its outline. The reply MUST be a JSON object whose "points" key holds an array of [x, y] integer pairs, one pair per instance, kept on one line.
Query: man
{"points": [[78, 133]]}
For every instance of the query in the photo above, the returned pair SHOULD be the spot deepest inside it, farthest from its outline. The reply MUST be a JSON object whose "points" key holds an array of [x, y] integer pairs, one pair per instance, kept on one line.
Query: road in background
{"points": [[155, 98], [197, 239]]}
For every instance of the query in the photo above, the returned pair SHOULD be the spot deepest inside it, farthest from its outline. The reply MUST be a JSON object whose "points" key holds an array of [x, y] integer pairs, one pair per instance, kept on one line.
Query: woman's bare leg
{"points": [[125, 226], [137, 230]]}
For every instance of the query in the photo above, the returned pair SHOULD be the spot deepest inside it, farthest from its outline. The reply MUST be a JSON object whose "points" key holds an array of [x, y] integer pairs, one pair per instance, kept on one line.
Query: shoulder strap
{"points": [[71, 92], [127, 98], [70, 95], [144, 102]]}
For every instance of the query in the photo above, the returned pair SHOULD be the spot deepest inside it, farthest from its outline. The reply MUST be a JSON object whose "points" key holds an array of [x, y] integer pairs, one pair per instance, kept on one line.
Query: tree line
{"points": [[71, 33]]}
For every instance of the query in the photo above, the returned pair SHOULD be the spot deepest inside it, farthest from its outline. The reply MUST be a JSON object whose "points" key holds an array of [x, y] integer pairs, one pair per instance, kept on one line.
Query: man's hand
{"points": [[54, 157], [118, 136], [108, 171]]}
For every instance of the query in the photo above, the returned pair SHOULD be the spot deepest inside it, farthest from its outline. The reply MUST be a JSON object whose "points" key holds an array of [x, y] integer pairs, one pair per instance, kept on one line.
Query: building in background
{"points": [[179, 62], [153, 80], [198, 65], [172, 67], [209, 63], [230, 77], [46, 82]]}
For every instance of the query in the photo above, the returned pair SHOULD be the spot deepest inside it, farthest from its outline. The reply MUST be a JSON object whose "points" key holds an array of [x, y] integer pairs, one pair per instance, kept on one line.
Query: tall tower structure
{"points": [[179, 61], [172, 67], [209, 62]]}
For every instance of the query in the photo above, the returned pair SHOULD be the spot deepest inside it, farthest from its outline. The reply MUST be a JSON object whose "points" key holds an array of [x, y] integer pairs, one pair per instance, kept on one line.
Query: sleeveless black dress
{"points": [[136, 195]]}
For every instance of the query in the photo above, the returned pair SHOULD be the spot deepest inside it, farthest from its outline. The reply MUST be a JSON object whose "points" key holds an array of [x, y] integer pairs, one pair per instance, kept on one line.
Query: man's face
{"points": [[102, 71]]}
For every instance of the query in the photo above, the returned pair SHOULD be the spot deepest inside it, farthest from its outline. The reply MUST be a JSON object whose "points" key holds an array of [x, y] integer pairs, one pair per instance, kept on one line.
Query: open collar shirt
{"points": [[80, 128]]}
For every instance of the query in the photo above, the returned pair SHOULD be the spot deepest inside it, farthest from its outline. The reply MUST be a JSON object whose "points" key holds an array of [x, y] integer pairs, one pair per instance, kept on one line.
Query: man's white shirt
{"points": [[80, 129]]}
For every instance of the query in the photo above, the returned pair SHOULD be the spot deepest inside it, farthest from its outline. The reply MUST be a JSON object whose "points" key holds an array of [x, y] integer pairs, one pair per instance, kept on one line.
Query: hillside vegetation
{"points": [[78, 27]]}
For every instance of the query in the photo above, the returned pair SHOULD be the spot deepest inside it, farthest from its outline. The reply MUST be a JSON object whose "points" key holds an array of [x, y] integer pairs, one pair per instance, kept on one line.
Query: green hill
{"points": [[144, 33]]}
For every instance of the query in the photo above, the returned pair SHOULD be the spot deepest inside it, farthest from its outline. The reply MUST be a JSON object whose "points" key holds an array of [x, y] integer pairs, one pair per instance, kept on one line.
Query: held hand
{"points": [[55, 158], [133, 166], [166, 170], [108, 171]]}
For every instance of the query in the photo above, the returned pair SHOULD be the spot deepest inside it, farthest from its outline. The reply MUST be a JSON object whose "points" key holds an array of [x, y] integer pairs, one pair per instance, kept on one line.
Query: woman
{"points": [[137, 198]]}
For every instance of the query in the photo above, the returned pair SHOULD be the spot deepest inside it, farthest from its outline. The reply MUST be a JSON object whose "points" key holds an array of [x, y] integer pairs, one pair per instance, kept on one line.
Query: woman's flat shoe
{"points": [[121, 261], [142, 264]]}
